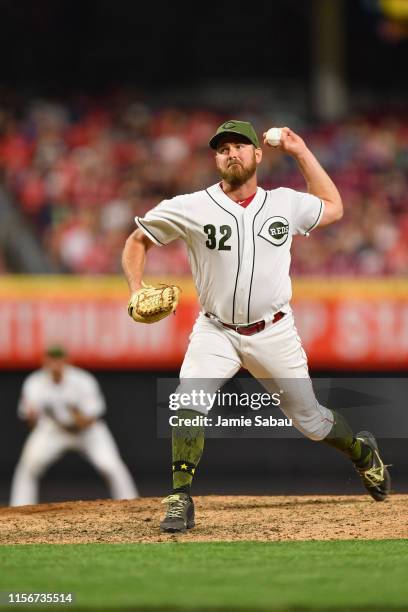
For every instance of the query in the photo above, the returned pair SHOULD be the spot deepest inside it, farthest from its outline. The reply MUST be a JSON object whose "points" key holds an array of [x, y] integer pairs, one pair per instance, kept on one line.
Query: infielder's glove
{"points": [[150, 304]]}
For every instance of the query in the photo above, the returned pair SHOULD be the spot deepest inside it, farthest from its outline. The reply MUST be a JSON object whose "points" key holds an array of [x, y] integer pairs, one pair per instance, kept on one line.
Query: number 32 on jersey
{"points": [[220, 237]]}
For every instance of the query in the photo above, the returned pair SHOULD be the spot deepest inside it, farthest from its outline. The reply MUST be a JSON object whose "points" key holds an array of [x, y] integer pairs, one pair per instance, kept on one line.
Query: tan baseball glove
{"points": [[150, 304]]}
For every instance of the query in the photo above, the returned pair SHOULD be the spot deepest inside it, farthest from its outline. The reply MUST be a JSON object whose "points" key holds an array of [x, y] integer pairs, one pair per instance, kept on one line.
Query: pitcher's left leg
{"points": [[276, 357]]}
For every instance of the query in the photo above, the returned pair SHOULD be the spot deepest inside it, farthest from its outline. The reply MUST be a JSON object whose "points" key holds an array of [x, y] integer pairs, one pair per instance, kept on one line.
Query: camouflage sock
{"points": [[188, 444], [342, 438]]}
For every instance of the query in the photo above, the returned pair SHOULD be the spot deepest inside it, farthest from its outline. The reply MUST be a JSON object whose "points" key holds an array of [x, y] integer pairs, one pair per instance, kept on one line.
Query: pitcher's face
{"points": [[237, 160]]}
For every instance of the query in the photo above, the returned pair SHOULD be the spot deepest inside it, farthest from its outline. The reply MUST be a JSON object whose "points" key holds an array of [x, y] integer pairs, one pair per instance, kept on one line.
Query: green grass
{"points": [[346, 575]]}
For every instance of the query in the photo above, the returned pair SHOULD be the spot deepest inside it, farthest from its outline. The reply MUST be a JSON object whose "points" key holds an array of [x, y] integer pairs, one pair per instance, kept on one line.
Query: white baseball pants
{"points": [[48, 442], [274, 356]]}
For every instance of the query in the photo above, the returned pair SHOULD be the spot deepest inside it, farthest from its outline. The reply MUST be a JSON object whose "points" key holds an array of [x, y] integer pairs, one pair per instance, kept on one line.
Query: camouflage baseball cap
{"points": [[233, 126]]}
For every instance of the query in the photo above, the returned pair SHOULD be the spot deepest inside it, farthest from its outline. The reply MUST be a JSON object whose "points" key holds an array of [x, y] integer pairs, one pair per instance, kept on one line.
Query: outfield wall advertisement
{"points": [[345, 324]]}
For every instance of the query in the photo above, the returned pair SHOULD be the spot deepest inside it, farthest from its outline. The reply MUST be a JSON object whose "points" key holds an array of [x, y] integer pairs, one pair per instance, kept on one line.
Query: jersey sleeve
{"points": [[30, 397], [307, 211], [165, 222], [91, 402]]}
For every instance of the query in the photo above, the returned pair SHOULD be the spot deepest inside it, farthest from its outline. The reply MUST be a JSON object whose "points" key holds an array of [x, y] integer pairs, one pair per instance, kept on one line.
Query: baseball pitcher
{"points": [[239, 238], [64, 406]]}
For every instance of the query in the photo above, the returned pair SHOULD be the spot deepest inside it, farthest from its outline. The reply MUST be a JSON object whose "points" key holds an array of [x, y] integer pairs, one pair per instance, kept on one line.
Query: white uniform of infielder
{"points": [[238, 237], [51, 405]]}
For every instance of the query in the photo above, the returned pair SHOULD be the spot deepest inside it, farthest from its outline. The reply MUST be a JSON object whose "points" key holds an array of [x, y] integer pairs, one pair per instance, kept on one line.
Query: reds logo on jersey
{"points": [[275, 230]]}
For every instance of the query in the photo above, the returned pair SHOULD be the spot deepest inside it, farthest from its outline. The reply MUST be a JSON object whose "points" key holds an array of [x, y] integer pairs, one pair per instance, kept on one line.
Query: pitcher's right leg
{"points": [[211, 359]]}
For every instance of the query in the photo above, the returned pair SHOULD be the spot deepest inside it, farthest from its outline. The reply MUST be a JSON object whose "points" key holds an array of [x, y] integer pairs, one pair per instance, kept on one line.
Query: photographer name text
{"points": [[220, 421]]}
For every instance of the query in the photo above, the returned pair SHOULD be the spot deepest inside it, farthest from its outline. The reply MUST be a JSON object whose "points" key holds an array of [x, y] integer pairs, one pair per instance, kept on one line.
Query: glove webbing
{"points": [[156, 302]]}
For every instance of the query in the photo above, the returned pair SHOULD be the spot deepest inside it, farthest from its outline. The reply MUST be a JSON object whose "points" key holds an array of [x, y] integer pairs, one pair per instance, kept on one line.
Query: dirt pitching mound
{"points": [[218, 519]]}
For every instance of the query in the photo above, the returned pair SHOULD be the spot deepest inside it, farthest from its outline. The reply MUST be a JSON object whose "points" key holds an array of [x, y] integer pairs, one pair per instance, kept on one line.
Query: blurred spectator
{"points": [[80, 173]]}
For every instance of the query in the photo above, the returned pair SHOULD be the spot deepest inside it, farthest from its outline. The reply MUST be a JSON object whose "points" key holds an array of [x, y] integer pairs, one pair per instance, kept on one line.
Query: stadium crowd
{"points": [[81, 171]]}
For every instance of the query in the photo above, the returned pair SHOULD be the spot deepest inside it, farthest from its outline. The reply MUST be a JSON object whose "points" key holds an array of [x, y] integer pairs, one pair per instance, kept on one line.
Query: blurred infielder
{"points": [[63, 405], [239, 238]]}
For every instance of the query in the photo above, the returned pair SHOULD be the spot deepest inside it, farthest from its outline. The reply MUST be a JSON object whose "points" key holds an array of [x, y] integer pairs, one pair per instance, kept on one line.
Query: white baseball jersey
{"points": [[239, 257], [77, 388], [50, 439]]}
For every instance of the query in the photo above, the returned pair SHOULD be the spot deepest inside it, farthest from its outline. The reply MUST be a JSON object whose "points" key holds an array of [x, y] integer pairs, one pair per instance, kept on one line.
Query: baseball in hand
{"points": [[273, 136]]}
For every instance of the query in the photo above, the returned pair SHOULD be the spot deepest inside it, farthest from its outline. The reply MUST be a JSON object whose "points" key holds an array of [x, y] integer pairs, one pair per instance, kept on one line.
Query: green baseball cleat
{"points": [[180, 513], [376, 478]]}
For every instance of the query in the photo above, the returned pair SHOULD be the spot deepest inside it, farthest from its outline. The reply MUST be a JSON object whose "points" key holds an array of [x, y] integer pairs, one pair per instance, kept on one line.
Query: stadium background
{"points": [[106, 109]]}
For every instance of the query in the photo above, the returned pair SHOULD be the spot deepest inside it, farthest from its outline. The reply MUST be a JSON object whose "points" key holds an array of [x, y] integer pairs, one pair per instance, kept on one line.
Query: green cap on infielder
{"points": [[56, 351], [233, 126]]}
